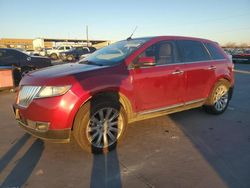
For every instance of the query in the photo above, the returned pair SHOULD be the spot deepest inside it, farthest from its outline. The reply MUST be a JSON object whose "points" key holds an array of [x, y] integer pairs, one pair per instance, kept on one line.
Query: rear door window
{"points": [[214, 51], [192, 51]]}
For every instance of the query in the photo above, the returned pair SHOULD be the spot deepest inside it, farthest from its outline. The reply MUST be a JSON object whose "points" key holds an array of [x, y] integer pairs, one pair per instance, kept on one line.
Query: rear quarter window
{"points": [[215, 53], [192, 51]]}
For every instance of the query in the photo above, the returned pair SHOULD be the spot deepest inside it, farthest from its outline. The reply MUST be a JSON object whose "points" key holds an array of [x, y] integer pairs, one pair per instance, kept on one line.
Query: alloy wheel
{"points": [[221, 98], [104, 127]]}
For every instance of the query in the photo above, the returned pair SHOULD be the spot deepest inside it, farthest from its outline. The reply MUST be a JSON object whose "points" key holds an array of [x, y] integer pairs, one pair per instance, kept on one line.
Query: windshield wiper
{"points": [[90, 63]]}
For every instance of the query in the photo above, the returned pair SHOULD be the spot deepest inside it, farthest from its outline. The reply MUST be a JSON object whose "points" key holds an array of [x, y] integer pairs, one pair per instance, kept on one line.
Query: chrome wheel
{"points": [[104, 127], [221, 98]]}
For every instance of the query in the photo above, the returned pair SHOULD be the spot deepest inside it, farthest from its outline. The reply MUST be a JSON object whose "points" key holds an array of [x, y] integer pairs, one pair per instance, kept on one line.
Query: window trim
{"points": [[182, 63], [178, 50]]}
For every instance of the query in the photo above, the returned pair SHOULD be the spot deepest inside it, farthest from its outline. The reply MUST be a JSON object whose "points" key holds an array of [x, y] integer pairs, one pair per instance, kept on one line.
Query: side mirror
{"points": [[146, 61]]}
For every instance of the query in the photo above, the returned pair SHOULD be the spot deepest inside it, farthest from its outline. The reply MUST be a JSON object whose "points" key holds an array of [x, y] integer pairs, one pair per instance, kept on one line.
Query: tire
{"points": [[17, 76], [219, 99], [70, 58], [54, 56], [87, 130]]}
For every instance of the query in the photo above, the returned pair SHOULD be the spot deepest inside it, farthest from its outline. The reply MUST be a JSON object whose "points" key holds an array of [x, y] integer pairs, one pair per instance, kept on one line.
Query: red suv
{"points": [[127, 81]]}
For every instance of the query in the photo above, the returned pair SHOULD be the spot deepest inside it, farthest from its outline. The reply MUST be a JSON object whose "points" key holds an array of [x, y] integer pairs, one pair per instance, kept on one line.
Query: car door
{"points": [[198, 69], [9, 58], [2, 57], [61, 49], [24, 59], [161, 85]]}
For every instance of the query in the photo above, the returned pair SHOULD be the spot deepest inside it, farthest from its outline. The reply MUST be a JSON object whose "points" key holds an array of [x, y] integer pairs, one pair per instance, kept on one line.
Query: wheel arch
{"points": [[112, 95], [225, 78], [53, 53], [109, 95], [221, 79]]}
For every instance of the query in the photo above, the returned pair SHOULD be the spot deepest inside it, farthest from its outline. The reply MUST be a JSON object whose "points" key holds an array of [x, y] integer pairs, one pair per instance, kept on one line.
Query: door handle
{"points": [[178, 72], [212, 67]]}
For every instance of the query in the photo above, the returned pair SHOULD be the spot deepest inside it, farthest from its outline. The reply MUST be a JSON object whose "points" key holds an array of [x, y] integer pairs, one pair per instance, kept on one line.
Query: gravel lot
{"points": [[187, 149]]}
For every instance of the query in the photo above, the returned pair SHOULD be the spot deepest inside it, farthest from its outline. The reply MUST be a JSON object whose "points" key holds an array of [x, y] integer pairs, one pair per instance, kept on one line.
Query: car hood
{"points": [[63, 70]]}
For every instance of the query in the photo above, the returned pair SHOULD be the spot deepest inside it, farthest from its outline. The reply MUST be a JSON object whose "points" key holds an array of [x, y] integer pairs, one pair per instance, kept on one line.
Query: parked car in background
{"points": [[127, 81], [29, 52], [35, 52], [38, 52], [76, 53], [84, 56], [54, 53], [21, 62], [242, 56], [229, 55]]}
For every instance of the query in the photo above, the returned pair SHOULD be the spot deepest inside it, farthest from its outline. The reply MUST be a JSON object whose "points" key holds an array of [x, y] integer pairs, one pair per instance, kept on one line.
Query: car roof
{"points": [[10, 49], [13, 49], [175, 38]]}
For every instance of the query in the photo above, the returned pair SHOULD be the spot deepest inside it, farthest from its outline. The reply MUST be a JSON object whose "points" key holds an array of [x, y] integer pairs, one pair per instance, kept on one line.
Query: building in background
{"points": [[41, 43], [16, 43]]}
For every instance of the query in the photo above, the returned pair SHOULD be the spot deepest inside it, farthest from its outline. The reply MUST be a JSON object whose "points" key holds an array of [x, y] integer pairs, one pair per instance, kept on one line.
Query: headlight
{"points": [[51, 91]]}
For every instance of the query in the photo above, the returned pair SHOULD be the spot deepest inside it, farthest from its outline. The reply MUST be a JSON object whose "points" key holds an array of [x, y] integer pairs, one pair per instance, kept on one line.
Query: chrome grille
{"points": [[26, 95]]}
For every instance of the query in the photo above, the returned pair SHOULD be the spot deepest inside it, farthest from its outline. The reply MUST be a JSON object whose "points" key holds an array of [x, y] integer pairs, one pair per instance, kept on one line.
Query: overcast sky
{"points": [[219, 20]]}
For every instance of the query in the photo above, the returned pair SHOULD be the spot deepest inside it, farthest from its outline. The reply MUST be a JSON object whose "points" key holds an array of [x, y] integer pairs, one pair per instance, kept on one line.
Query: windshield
{"points": [[115, 52]]}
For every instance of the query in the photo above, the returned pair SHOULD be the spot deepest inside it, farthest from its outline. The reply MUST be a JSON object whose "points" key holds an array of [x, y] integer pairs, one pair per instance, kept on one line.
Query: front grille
{"points": [[26, 95]]}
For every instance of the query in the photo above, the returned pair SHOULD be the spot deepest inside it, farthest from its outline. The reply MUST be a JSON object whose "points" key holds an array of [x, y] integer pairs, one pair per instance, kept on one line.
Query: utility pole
{"points": [[87, 34]]}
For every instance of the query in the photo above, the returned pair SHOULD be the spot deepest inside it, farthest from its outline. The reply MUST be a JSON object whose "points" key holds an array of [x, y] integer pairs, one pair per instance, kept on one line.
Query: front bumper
{"points": [[58, 136]]}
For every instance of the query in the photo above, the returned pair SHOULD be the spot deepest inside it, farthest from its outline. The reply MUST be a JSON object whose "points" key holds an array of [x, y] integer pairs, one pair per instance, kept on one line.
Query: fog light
{"points": [[31, 124], [42, 126], [39, 126]]}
